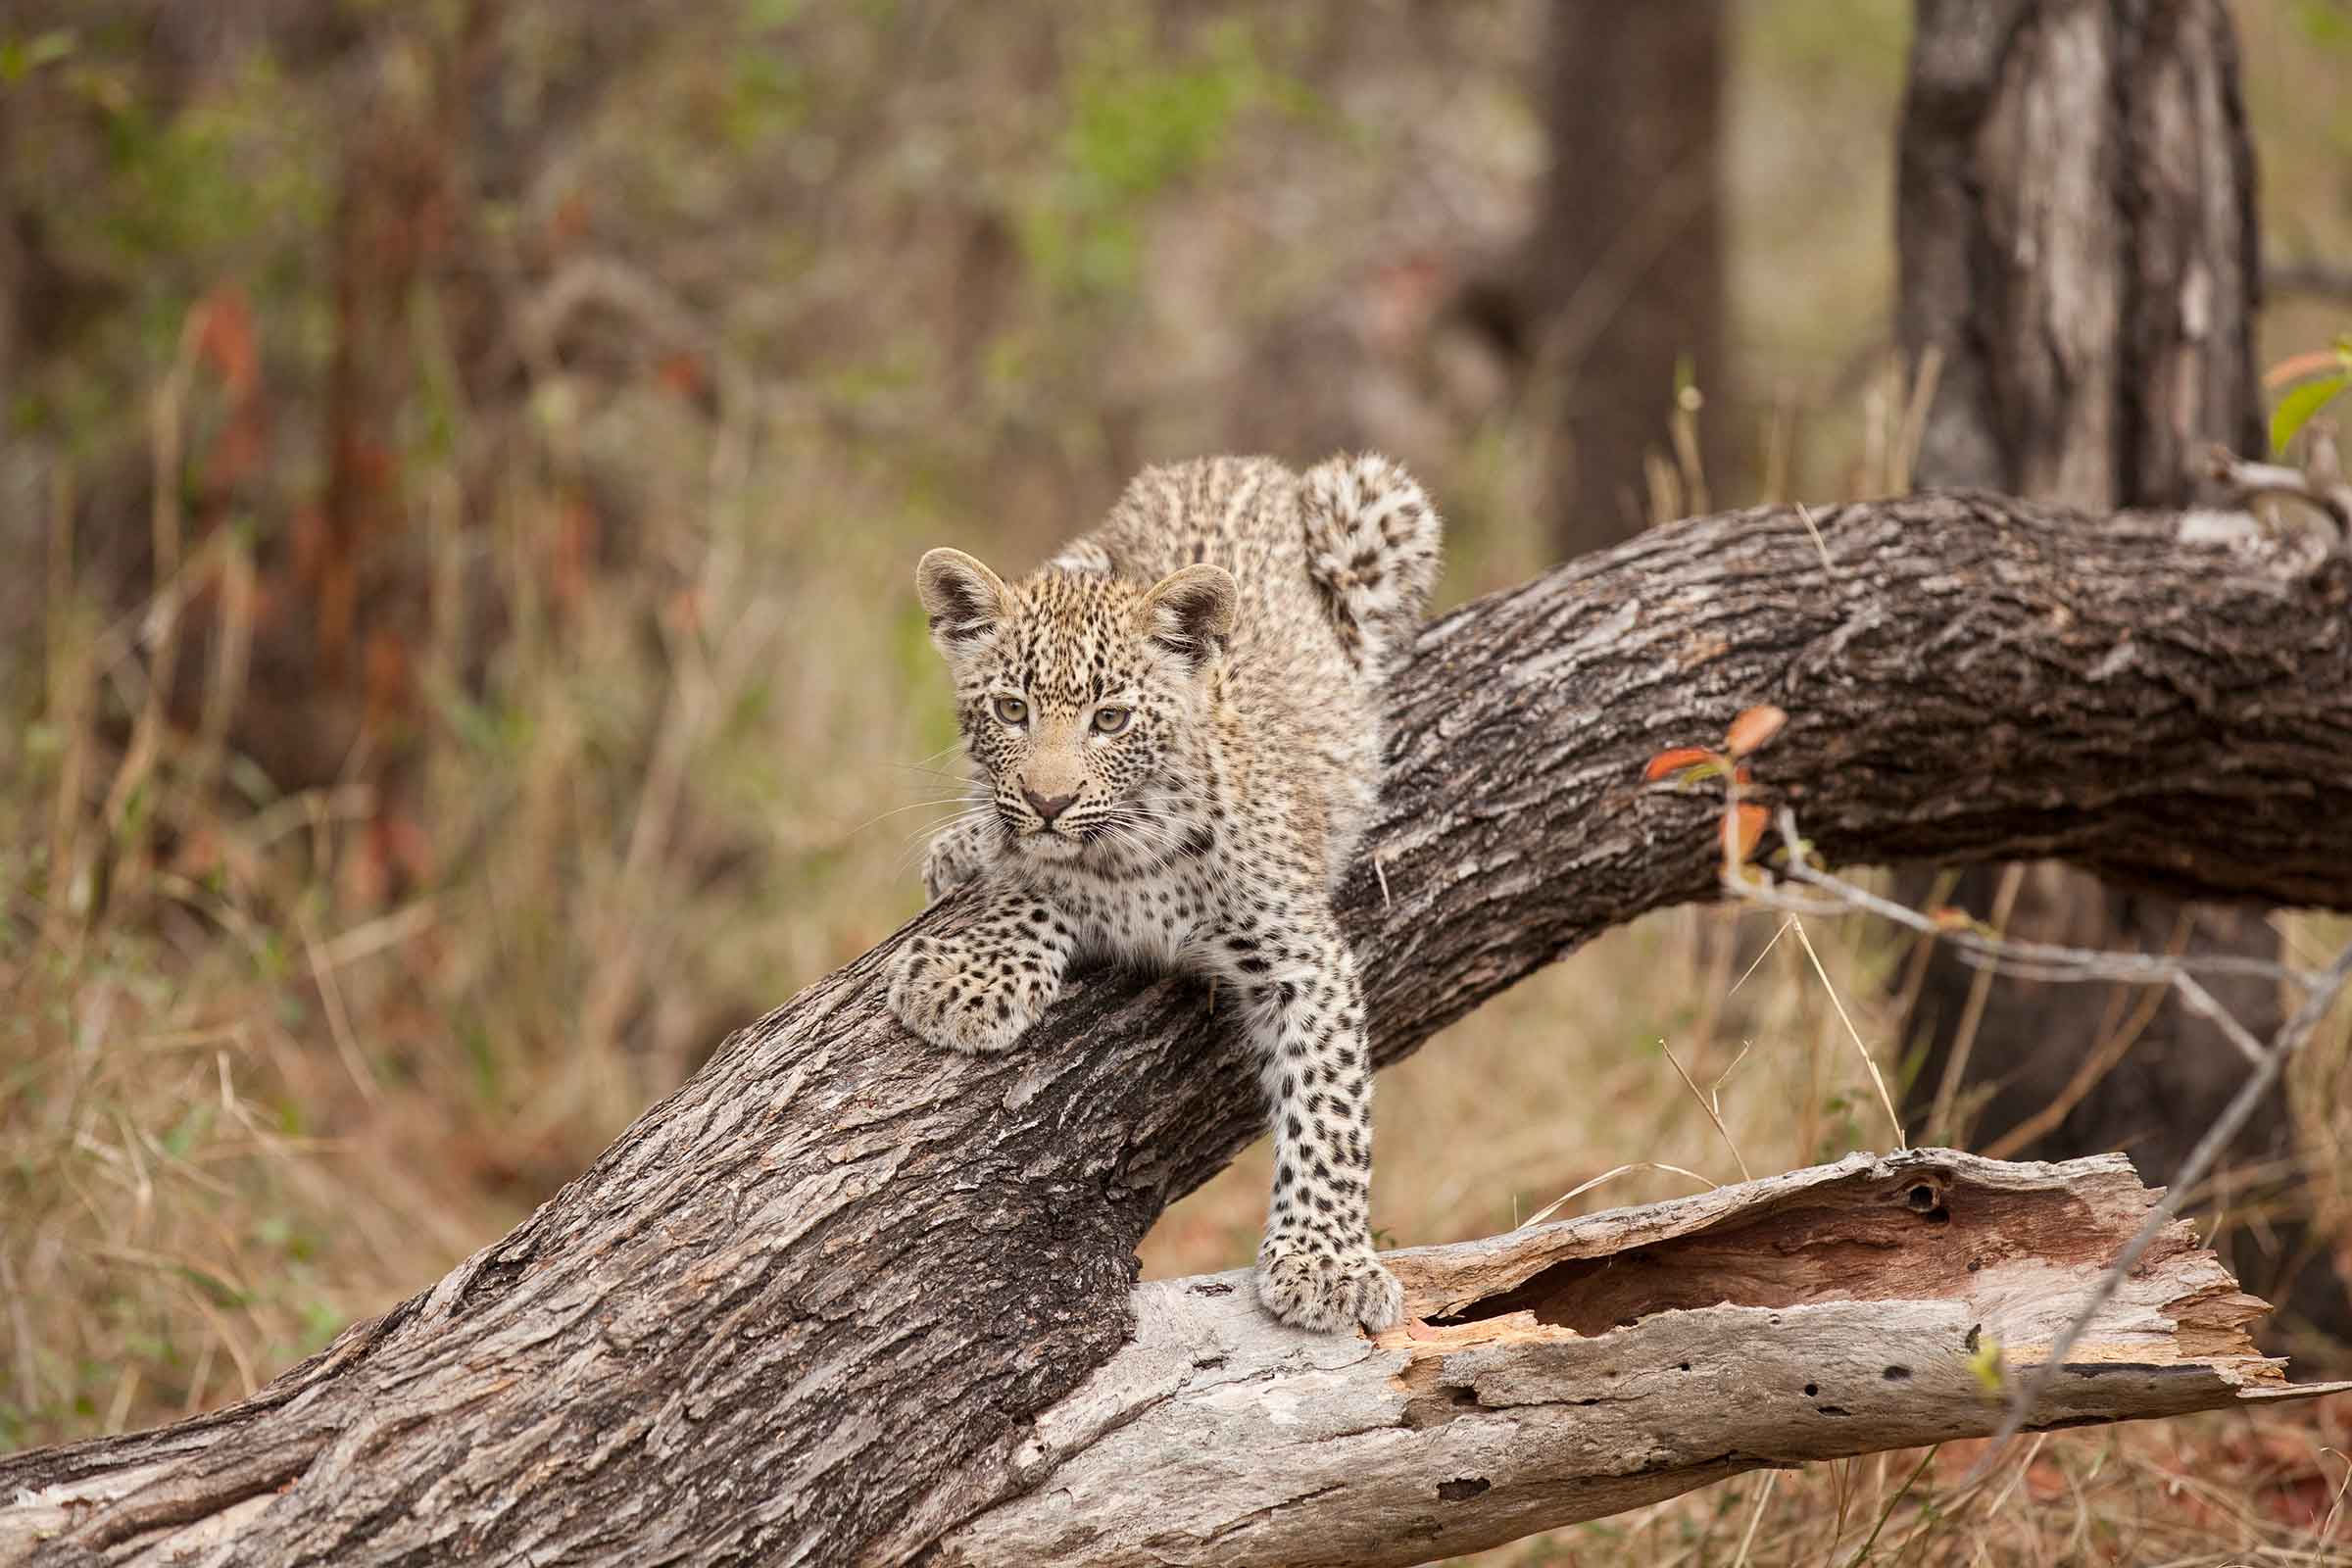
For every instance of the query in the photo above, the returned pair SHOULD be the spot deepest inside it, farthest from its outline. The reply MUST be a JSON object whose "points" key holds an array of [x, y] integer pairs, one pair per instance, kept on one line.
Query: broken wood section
{"points": [[1573, 1370]]}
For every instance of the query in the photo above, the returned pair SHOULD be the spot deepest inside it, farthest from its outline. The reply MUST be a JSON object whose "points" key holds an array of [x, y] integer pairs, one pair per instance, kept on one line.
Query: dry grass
{"points": [[269, 1060], [268, 1065]]}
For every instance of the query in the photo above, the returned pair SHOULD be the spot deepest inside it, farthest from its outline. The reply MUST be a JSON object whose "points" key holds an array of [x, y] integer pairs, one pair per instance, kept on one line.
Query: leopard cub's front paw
{"points": [[1303, 1281], [947, 999]]}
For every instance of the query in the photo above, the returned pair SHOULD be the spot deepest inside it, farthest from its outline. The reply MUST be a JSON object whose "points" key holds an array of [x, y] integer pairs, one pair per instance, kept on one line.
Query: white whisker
{"points": [[917, 806]]}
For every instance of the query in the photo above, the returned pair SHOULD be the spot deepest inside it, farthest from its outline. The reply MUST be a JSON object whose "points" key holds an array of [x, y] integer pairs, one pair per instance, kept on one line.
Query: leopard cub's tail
{"points": [[1372, 540]]}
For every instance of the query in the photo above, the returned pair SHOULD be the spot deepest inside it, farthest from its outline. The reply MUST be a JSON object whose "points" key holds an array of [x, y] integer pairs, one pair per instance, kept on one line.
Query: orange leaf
{"points": [[2297, 365], [225, 336], [1743, 830], [681, 373], [1751, 729], [1947, 918], [1676, 759]]}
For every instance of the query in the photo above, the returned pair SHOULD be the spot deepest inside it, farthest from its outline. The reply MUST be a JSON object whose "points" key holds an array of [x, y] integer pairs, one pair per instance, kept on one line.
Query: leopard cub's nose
{"points": [[1046, 808]]}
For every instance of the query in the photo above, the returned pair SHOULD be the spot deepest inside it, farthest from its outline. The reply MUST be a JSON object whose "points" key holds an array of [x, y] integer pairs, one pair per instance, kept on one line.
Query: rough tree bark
{"points": [[815, 1300], [2076, 225], [2074, 217]]}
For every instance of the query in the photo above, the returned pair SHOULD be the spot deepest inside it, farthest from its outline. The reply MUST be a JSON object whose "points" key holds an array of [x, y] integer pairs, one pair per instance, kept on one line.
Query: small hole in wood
{"points": [[1811, 1388], [1463, 1489], [1685, 1366], [1895, 1374], [1921, 1196]]}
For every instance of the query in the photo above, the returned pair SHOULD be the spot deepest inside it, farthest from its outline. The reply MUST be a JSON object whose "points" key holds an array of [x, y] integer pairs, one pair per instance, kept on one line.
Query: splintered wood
{"points": [[1569, 1371]]}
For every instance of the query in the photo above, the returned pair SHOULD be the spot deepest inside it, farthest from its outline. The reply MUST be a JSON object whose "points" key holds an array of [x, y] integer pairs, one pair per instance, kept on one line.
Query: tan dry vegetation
{"points": [[273, 1056]]}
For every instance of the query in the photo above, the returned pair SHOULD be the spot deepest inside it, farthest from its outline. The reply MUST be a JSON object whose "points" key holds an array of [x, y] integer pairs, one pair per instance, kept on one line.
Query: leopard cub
{"points": [[1177, 723]]}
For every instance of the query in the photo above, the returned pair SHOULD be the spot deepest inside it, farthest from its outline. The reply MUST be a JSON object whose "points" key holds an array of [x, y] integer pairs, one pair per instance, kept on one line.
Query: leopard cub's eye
{"points": [[1013, 710], [1110, 719]]}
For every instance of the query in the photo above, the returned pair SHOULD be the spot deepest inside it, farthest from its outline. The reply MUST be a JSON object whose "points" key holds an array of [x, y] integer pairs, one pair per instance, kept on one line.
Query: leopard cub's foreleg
{"points": [[981, 984], [1316, 1266]]}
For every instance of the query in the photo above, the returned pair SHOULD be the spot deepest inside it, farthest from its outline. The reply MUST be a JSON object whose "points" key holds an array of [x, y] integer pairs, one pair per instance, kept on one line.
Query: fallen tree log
{"points": [[1583, 1368], [809, 1308]]}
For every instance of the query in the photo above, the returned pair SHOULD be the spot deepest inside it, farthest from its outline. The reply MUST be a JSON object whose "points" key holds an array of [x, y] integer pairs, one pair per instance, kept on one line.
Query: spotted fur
{"points": [[1178, 726]]}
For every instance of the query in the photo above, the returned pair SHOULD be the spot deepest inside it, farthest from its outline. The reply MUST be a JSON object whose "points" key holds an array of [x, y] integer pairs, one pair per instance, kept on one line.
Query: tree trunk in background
{"points": [[1625, 274], [2076, 220]]}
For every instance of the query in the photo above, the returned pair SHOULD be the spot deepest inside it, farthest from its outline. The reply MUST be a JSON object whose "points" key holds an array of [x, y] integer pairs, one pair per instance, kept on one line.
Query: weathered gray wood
{"points": [[816, 1300], [1591, 1366]]}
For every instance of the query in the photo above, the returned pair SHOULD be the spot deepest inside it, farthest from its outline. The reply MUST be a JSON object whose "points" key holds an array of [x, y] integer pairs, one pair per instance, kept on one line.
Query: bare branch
{"points": [[2290, 1038], [2321, 279], [2025, 961], [2322, 488]]}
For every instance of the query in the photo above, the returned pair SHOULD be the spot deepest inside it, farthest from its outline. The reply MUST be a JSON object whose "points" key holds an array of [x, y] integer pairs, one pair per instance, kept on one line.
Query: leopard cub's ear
{"points": [[1190, 612], [963, 599]]}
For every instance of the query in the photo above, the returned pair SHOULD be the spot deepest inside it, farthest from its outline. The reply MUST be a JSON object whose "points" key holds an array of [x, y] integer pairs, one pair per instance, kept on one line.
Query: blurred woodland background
{"points": [[462, 473]]}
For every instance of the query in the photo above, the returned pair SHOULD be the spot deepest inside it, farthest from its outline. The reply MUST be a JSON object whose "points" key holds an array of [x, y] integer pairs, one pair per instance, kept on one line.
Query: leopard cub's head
{"points": [[1075, 690]]}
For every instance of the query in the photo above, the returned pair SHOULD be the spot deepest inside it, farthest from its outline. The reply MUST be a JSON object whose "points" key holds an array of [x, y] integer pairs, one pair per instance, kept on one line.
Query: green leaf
{"points": [[2295, 410], [1985, 1366], [21, 57]]}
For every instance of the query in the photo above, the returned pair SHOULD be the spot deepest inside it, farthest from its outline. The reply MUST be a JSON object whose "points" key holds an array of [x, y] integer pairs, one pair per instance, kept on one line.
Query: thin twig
{"points": [[1971, 1012], [2290, 1038], [2031, 960], [166, 437], [2307, 275], [1805, 512], [2250, 481], [1711, 1104], [1855, 1035], [1611, 1174], [338, 1018], [1893, 1503], [1761, 957], [2026, 1463], [1747, 1536], [2201, 1000], [1911, 434], [2104, 1057]]}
